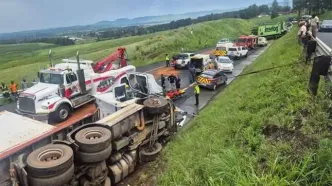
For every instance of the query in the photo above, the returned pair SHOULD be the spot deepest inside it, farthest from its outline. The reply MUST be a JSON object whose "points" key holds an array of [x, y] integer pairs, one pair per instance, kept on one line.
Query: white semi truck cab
{"points": [[67, 86]]}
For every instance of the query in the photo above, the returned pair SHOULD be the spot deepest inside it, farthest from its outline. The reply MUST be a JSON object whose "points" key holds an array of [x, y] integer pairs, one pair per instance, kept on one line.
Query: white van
{"points": [[201, 62]]}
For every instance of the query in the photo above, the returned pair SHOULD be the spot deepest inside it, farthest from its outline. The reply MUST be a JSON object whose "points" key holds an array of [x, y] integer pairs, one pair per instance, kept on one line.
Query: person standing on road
{"points": [[192, 72], [178, 83], [314, 25], [171, 80], [196, 91], [13, 88], [24, 84], [163, 79], [167, 60]]}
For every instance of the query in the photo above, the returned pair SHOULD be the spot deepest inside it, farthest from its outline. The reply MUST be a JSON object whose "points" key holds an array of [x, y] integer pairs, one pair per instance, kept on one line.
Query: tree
{"points": [[274, 9], [264, 9]]}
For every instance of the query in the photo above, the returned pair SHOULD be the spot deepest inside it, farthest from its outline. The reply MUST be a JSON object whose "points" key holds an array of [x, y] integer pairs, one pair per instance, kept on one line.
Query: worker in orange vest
{"points": [[211, 65], [13, 88]]}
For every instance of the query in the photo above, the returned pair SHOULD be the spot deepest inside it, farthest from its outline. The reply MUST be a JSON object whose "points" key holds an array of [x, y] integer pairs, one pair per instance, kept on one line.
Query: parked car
{"points": [[183, 60], [262, 41], [326, 26], [224, 64], [211, 79], [237, 52]]}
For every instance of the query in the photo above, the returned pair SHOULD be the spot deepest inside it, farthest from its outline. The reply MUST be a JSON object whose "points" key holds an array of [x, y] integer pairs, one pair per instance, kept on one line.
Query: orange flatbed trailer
{"points": [[78, 116]]}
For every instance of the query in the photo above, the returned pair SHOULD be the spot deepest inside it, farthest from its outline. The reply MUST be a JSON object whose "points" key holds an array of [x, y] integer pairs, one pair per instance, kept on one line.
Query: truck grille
{"points": [[26, 104]]}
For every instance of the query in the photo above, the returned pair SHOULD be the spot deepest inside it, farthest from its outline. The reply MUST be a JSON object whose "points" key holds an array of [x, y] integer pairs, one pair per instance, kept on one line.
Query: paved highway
{"points": [[326, 37]]}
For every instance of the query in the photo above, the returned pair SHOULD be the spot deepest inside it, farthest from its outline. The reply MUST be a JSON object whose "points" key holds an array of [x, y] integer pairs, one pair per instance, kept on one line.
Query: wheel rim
{"points": [[50, 155], [63, 113], [93, 134]]}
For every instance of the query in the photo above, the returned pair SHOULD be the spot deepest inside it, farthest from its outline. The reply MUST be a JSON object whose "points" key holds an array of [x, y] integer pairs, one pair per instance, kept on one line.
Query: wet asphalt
{"points": [[326, 37]]}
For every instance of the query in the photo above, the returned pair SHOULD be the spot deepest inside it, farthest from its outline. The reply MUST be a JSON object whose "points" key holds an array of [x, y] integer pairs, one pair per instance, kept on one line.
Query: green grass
{"points": [[23, 61], [326, 15], [225, 144]]}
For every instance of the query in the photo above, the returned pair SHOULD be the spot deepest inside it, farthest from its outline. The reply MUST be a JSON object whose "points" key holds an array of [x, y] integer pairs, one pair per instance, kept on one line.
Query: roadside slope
{"points": [[264, 129], [142, 50]]}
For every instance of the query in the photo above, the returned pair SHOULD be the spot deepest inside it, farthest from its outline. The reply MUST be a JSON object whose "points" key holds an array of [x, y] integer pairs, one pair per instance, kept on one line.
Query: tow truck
{"points": [[69, 85], [101, 144]]}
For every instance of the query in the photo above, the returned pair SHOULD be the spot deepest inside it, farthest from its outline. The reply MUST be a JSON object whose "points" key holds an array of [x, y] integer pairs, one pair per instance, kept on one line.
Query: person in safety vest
{"points": [[4, 90], [211, 65], [13, 88], [167, 60], [196, 91]]}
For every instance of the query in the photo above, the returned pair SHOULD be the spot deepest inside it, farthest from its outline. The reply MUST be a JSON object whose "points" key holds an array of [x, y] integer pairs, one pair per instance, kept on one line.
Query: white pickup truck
{"points": [[237, 52], [183, 60]]}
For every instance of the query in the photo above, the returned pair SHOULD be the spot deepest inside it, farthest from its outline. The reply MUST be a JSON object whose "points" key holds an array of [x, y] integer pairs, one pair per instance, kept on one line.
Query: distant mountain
{"points": [[122, 22]]}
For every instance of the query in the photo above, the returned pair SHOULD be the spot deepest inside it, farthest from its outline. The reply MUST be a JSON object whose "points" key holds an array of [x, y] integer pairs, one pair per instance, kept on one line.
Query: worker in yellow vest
{"points": [[197, 91], [167, 61]]}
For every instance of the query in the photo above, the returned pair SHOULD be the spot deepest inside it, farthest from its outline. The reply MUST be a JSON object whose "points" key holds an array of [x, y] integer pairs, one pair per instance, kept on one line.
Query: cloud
{"points": [[16, 15]]}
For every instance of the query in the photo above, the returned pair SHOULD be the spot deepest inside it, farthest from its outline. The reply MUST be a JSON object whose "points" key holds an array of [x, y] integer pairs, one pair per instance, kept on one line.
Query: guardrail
{"points": [[322, 48]]}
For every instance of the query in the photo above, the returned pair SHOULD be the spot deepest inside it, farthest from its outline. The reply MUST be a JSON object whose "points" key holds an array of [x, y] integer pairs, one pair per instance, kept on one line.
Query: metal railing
{"points": [[322, 48]]}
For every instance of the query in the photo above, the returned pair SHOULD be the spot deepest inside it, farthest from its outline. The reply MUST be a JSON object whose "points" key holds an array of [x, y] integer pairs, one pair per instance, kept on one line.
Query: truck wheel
{"points": [[155, 105], [50, 160], [148, 155], [94, 157], [93, 139], [61, 113], [58, 180]]}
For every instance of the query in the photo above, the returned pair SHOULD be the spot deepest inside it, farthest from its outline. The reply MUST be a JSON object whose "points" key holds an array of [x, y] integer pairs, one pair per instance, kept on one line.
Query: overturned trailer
{"points": [[87, 151]]}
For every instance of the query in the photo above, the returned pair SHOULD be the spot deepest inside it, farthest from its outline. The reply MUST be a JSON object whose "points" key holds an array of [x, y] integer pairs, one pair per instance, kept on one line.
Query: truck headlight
{"points": [[44, 107]]}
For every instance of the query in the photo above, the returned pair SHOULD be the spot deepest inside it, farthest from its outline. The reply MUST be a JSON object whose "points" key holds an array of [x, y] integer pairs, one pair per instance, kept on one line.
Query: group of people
{"points": [[305, 39], [12, 89], [307, 25], [174, 81]]}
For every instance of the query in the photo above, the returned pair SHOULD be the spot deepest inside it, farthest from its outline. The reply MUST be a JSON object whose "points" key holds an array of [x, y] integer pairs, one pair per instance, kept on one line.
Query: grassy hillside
{"points": [[142, 50], [264, 129]]}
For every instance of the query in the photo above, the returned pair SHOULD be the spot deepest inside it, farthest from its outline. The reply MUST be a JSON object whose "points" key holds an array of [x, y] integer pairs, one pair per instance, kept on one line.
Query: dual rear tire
{"points": [[94, 144], [50, 165]]}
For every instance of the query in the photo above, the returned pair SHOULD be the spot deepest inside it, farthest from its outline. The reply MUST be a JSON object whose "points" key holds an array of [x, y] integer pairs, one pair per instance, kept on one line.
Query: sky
{"points": [[18, 15]]}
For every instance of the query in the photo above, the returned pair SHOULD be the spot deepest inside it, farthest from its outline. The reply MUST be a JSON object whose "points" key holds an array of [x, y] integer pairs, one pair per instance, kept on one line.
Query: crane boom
{"points": [[108, 61]]}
